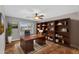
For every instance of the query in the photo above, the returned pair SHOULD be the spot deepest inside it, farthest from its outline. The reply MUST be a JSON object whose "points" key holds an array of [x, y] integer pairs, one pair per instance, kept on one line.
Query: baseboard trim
{"points": [[15, 39], [75, 46]]}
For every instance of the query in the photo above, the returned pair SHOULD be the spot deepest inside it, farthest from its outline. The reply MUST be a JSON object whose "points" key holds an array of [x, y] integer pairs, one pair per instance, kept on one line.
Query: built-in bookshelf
{"points": [[57, 31], [51, 31], [62, 31], [47, 29], [42, 27]]}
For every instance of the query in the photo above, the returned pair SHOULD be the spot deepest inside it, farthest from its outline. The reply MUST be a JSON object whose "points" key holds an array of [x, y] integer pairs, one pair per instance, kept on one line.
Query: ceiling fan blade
{"points": [[41, 15], [41, 18]]}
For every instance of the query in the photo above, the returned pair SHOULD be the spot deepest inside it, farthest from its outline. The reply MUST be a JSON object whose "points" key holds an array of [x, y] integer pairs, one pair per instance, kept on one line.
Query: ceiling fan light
{"points": [[36, 17]]}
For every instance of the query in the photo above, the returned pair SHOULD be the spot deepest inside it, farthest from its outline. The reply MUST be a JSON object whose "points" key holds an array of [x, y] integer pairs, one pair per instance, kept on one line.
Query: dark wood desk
{"points": [[26, 42]]}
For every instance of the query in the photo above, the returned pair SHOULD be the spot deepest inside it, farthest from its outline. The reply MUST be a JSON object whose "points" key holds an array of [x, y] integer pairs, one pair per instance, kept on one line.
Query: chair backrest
{"points": [[27, 32]]}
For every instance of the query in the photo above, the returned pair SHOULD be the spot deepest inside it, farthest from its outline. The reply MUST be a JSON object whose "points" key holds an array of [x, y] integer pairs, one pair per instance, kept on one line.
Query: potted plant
{"points": [[9, 32]]}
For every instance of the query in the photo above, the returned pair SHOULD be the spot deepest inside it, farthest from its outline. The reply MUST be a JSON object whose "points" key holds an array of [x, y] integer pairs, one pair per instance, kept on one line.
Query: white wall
{"points": [[2, 37], [16, 32]]}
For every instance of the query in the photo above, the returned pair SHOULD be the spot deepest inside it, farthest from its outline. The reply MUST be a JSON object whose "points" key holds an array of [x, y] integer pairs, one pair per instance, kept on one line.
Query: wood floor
{"points": [[49, 48]]}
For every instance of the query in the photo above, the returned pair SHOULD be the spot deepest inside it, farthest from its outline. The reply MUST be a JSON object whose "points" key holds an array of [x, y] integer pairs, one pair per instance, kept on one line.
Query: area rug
{"points": [[53, 48]]}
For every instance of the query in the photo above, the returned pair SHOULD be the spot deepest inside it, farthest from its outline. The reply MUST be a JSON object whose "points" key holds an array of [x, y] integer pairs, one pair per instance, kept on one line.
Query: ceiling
{"points": [[26, 11]]}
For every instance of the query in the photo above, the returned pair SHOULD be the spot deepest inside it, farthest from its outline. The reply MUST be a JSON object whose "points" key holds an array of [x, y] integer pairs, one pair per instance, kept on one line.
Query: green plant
{"points": [[9, 30]]}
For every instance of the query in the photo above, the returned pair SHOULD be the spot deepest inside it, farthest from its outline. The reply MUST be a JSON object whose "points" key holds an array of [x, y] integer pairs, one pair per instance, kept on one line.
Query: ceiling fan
{"points": [[33, 14], [37, 16]]}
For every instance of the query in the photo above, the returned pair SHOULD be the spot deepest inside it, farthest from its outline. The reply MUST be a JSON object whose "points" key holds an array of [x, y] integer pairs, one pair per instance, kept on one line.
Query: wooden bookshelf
{"points": [[62, 33], [48, 29], [57, 31], [51, 31]]}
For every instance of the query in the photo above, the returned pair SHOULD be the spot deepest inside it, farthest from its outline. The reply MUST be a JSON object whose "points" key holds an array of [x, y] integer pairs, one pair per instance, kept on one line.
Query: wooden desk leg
{"points": [[27, 46], [41, 41]]}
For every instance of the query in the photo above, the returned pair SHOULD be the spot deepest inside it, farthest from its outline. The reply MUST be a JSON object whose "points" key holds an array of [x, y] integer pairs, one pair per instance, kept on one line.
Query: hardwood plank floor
{"points": [[49, 48]]}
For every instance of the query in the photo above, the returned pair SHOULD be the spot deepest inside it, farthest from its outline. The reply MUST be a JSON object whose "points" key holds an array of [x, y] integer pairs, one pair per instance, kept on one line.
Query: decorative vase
{"points": [[9, 39]]}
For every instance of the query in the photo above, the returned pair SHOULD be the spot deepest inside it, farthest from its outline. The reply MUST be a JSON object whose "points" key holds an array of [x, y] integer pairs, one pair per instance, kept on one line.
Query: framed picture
{"points": [[1, 24], [14, 25]]}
